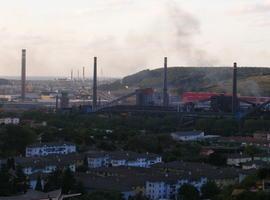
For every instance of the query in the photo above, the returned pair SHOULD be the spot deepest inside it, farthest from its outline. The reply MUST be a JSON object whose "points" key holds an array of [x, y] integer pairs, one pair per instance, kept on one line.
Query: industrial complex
{"points": [[83, 95]]}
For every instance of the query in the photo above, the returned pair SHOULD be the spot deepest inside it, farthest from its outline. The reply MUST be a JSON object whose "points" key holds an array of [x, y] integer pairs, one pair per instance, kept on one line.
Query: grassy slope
{"points": [[252, 81]]}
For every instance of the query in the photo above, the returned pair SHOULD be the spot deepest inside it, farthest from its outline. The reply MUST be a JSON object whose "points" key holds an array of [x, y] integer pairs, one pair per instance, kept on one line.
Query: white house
{"points": [[168, 187], [238, 159], [188, 135], [132, 159], [45, 165], [9, 120], [45, 149], [97, 159], [122, 158], [255, 164]]}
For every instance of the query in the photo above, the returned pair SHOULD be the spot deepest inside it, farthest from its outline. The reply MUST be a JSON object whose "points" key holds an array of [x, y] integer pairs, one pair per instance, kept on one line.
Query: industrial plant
{"points": [[83, 95]]}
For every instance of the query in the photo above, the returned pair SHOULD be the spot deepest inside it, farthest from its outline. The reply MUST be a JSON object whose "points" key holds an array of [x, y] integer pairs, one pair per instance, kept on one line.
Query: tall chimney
{"points": [[23, 75], [234, 97], [71, 74], [95, 84], [83, 73], [78, 74], [56, 102], [165, 85]]}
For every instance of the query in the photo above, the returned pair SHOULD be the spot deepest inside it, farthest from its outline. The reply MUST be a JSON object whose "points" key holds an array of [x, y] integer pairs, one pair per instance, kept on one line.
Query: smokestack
{"points": [[234, 97], [165, 85], [23, 75], [83, 73], [56, 102], [78, 73], [71, 74], [95, 84]]}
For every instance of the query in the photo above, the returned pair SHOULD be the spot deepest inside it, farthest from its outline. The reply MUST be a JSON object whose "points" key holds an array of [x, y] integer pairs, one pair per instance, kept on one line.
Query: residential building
{"points": [[188, 135], [246, 141], [45, 149], [37, 195], [262, 157], [262, 136], [122, 158], [222, 176], [97, 159], [153, 183], [255, 164], [48, 164], [238, 159], [132, 159], [126, 186], [9, 120]]}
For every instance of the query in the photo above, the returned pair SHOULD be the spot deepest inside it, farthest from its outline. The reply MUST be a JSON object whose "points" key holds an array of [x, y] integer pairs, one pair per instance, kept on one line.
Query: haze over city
{"points": [[134, 100], [131, 35]]}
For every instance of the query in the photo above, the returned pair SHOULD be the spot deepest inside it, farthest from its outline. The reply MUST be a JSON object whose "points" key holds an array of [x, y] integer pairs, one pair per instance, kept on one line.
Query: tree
{"points": [[263, 173], [139, 197], [188, 192], [39, 185], [100, 196], [209, 190], [14, 139], [11, 163], [249, 181], [5, 184], [251, 150], [54, 181], [84, 166], [217, 159], [68, 181], [20, 181], [64, 180]]}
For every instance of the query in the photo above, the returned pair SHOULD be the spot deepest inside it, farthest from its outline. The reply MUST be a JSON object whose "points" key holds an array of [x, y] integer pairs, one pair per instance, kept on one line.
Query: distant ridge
{"points": [[254, 81]]}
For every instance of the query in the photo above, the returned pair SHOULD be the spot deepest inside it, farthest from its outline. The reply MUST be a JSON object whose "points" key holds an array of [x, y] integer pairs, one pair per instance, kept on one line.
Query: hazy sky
{"points": [[130, 35]]}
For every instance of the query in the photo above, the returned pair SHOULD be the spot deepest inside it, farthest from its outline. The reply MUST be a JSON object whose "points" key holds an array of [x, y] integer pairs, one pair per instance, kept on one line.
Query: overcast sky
{"points": [[131, 35]]}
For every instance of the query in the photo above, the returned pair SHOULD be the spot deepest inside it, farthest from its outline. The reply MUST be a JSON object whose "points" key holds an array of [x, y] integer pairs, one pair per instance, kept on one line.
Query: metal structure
{"points": [[57, 102], [226, 105], [71, 74], [165, 85], [64, 101], [235, 106], [94, 104], [23, 75], [83, 74]]}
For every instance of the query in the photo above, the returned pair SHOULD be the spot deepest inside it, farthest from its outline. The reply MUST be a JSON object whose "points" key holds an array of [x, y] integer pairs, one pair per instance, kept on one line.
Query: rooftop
{"points": [[52, 144], [188, 133], [35, 195]]}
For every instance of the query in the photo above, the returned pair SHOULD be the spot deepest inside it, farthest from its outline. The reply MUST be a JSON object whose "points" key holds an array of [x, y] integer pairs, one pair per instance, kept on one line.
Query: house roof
{"points": [[187, 133], [122, 155], [35, 195], [257, 162], [51, 144], [237, 156], [145, 174], [121, 184], [201, 170], [128, 155], [55, 160]]}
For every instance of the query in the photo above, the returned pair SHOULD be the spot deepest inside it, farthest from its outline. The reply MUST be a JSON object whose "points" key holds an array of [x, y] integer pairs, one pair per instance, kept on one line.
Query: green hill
{"points": [[252, 80]]}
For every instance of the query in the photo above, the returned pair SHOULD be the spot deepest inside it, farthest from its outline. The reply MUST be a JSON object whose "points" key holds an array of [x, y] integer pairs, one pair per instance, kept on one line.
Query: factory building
{"points": [[144, 97], [64, 100]]}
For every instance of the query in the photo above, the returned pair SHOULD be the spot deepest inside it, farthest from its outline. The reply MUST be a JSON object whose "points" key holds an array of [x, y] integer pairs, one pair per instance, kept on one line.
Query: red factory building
{"points": [[203, 96]]}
